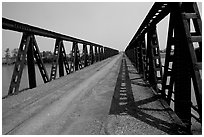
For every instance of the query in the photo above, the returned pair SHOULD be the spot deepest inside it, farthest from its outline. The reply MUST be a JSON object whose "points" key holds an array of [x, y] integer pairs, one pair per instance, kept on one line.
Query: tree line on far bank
{"points": [[9, 56]]}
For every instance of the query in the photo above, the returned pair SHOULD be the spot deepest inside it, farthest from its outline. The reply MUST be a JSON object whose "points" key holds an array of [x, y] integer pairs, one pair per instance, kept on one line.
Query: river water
{"points": [[7, 71]]}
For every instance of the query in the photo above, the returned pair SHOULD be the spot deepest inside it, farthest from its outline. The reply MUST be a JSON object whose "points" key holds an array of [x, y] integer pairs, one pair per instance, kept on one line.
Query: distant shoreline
{"points": [[12, 61]]}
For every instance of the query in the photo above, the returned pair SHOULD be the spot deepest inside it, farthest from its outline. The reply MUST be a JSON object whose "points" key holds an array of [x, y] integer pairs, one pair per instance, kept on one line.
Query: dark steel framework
{"points": [[29, 51], [183, 61]]}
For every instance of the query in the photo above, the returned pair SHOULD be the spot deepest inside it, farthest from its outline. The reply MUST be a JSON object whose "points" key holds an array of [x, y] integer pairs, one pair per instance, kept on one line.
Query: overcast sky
{"points": [[108, 24]]}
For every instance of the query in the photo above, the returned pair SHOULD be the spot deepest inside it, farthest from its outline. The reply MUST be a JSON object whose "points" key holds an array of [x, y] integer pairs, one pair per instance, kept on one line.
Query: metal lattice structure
{"points": [[183, 56], [29, 51]]}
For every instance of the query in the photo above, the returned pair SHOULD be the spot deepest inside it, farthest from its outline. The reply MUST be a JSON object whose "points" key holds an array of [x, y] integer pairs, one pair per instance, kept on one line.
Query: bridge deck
{"points": [[108, 97]]}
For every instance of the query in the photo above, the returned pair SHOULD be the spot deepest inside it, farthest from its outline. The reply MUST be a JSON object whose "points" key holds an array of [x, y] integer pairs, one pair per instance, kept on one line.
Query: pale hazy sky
{"points": [[108, 24]]}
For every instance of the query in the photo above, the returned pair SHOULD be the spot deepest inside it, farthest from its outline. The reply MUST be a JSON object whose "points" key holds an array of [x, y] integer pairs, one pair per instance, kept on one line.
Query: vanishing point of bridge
{"points": [[107, 92]]}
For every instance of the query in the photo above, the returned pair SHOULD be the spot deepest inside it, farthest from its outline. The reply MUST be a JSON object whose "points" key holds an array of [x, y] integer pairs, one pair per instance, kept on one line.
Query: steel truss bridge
{"points": [[171, 82]]}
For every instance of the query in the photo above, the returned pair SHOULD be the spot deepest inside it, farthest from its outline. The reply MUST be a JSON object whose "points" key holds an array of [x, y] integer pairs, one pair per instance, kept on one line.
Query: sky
{"points": [[111, 24]]}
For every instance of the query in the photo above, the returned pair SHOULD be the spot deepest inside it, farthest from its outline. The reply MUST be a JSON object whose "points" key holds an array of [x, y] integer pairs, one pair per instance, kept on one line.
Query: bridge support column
{"points": [[139, 52], [134, 56], [102, 53], [96, 53], [76, 56], [31, 65], [182, 83], [143, 57], [61, 66], [91, 54], [182, 74], [154, 61], [105, 53], [137, 58], [99, 53], [85, 55]]}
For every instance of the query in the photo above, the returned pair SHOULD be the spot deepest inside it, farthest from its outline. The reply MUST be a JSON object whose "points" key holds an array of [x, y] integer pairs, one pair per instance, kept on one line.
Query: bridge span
{"points": [[107, 92]]}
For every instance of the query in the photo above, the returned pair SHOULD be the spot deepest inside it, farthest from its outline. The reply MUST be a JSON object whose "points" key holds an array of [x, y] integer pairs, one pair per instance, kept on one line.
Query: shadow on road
{"points": [[123, 103]]}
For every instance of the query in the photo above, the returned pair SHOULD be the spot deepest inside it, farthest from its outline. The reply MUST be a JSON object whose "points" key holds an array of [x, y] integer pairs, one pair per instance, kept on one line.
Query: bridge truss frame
{"points": [[29, 50], [183, 61]]}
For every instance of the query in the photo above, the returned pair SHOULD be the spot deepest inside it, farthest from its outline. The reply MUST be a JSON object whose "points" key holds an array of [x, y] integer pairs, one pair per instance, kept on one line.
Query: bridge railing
{"points": [[28, 50], [182, 68]]}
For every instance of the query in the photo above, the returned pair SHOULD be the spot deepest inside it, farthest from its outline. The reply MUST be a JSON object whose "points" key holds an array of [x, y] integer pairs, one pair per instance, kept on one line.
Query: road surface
{"points": [[108, 97]]}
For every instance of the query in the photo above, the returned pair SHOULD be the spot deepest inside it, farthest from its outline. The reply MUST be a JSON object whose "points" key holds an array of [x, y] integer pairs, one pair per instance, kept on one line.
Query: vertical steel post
{"points": [[31, 65], [60, 62], [185, 60], [99, 53], [105, 53], [191, 12], [91, 54], [96, 54], [134, 56], [102, 53], [143, 56], [182, 78], [85, 52], [154, 60], [76, 59], [137, 58], [140, 57], [72, 58]]}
